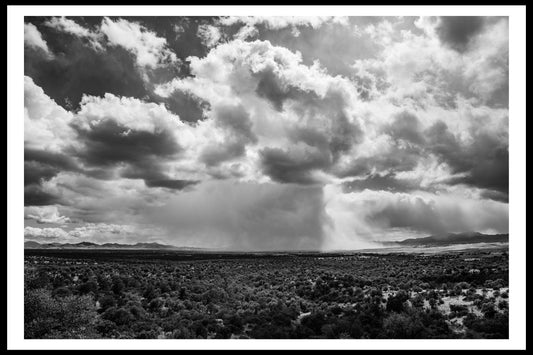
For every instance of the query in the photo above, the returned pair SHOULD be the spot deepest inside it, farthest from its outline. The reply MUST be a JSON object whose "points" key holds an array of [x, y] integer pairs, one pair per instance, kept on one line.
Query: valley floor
{"points": [[461, 294]]}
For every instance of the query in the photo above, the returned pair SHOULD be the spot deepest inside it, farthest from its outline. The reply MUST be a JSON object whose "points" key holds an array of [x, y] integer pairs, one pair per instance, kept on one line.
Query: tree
{"points": [[396, 302]]}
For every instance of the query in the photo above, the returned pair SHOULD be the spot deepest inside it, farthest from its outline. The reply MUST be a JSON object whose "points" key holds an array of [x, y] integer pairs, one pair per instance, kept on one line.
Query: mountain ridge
{"points": [[90, 245], [454, 238]]}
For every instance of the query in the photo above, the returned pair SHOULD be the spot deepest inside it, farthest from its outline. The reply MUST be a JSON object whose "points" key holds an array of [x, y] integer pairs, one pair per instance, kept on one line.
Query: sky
{"points": [[265, 133]]}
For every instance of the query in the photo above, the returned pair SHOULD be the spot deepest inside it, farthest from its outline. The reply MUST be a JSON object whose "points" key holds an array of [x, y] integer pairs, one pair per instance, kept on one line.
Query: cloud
{"points": [[45, 234], [484, 161], [46, 125], [294, 166], [209, 34], [251, 23], [45, 214], [150, 50], [186, 105], [360, 219], [95, 233], [42, 165], [458, 31], [405, 126], [274, 98], [79, 70], [323, 133], [34, 195], [170, 184], [34, 39], [135, 139], [336, 43], [89, 199], [388, 182], [71, 27]]}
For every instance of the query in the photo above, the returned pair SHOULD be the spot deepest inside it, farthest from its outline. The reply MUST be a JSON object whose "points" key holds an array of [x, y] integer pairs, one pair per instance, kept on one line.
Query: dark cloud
{"points": [[270, 87], [310, 136], [436, 215], [237, 124], [58, 160], [496, 195], [188, 107], [216, 154], [484, 162], [139, 154], [387, 182], [108, 143], [342, 134], [406, 126], [78, 69], [411, 213], [293, 166], [40, 166], [458, 31], [34, 195], [237, 120], [35, 172], [170, 184]]}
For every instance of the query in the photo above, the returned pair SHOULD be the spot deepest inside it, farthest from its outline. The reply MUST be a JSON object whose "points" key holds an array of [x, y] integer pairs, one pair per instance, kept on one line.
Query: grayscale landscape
{"points": [[266, 177]]}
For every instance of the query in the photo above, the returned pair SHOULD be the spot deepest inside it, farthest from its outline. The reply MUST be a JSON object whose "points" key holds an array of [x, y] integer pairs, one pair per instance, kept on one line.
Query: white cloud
{"points": [[96, 233], [46, 234], [150, 50], [210, 35], [126, 111], [33, 38], [46, 124], [45, 214]]}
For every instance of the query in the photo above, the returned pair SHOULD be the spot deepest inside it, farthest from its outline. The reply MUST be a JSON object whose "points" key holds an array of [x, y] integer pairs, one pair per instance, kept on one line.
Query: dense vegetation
{"points": [[453, 295]]}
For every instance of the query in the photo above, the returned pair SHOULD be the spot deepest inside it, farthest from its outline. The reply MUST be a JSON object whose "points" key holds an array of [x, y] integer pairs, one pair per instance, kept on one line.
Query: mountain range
{"points": [[89, 245], [454, 238]]}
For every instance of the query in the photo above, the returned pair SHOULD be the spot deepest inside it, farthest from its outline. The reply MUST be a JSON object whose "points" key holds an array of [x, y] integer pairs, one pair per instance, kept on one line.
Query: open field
{"points": [[170, 294]]}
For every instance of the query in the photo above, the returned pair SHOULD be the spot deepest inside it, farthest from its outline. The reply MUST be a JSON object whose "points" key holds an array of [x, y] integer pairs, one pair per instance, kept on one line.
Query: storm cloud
{"points": [[265, 133], [458, 31]]}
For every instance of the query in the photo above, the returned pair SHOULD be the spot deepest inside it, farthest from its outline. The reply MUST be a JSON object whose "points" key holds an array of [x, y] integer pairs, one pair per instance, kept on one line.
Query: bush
{"points": [[45, 315]]}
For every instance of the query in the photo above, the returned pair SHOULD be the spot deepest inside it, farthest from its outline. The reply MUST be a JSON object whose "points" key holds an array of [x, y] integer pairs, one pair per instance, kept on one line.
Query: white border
{"points": [[517, 150]]}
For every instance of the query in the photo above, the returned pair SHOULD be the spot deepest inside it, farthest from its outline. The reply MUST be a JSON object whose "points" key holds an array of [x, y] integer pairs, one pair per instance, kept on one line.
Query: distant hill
{"points": [[89, 245], [451, 239]]}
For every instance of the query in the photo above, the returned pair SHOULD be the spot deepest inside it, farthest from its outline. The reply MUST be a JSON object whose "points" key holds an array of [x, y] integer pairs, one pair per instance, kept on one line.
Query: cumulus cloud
{"points": [[209, 34], [285, 101], [34, 39], [46, 125], [150, 50], [45, 214]]}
